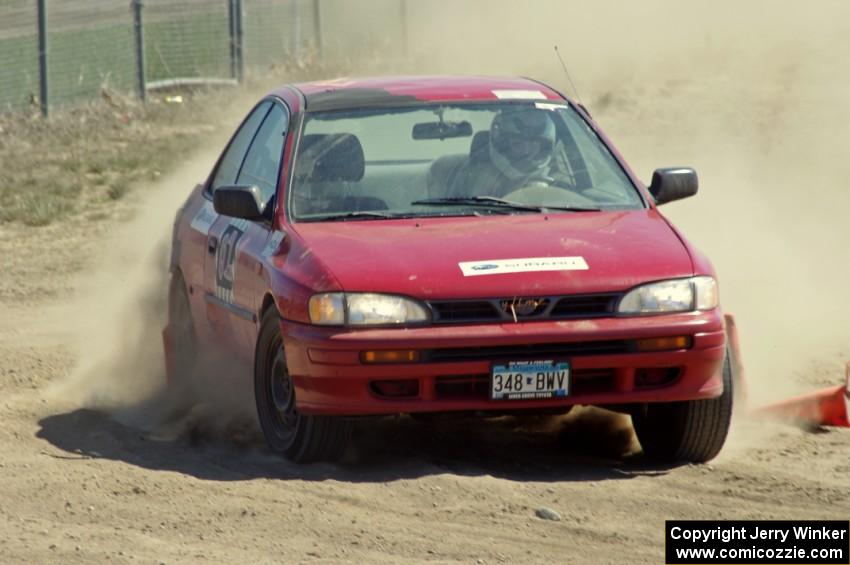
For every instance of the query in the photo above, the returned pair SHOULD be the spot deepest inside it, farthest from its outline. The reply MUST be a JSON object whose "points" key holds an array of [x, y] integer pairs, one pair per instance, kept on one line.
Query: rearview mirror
{"points": [[673, 183], [441, 130], [244, 202]]}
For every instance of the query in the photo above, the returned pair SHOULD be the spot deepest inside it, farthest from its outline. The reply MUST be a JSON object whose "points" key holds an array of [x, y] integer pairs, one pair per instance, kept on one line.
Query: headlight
{"points": [[706, 293], [383, 309], [363, 309], [680, 295]]}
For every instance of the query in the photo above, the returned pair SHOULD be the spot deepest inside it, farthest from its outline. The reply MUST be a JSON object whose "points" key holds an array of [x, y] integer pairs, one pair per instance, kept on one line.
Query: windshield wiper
{"points": [[572, 208], [492, 201], [489, 201], [355, 216]]}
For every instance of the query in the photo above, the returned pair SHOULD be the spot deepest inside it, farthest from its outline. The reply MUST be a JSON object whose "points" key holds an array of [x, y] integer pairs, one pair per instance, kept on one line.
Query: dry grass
{"points": [[84, 158]]}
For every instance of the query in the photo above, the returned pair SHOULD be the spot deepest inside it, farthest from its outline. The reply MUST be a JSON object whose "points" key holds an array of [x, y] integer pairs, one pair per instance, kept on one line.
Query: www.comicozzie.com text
{"points": [[726, 534]]}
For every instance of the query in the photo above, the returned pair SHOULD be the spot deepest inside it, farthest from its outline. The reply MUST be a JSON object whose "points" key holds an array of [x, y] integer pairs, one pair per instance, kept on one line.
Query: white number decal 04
{"points": [[224, 264]]}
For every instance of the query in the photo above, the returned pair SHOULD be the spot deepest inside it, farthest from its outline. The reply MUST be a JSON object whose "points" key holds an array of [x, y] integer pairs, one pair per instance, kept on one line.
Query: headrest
{"points": [[479, 148], [331, 157]]}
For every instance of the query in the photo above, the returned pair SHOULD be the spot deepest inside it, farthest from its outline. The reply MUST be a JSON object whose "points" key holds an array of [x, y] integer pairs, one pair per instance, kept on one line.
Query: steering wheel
{"points": [[550, 181]]}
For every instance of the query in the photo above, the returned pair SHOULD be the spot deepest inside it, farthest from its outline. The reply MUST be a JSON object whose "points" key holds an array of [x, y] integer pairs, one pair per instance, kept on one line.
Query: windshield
{"points": [[453, 159]]}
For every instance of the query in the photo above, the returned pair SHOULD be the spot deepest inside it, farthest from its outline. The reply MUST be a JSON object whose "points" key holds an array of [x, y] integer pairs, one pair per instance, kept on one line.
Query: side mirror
{"points": [[244, 202], [672, 184]]}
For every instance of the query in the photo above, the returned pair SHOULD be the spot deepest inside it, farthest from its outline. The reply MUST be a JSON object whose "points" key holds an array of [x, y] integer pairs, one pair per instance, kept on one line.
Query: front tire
{"points": [[298, 437], [692, 431]]}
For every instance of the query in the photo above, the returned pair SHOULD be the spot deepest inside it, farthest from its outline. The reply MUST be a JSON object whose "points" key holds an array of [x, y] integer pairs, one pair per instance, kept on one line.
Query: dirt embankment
{"points": [[96, 468]]}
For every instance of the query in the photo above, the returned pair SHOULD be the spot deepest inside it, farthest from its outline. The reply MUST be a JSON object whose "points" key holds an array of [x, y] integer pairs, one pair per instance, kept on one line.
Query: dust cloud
{"points": [[118, 311]]}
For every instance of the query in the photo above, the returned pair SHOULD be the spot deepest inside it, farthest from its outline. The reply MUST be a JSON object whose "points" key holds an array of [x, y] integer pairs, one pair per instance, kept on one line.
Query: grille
{"points": [[592, 381], [498, 309], [591, 305], [465, 386], [465, 311], [527, 352]]}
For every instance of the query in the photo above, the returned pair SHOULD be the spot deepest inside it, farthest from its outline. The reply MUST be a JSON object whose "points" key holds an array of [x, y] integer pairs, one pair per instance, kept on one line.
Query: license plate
{"points": [[525, 380]]}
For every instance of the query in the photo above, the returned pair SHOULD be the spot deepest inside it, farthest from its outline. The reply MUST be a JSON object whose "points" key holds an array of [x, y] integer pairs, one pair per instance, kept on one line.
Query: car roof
{"points": [[348, 93]]}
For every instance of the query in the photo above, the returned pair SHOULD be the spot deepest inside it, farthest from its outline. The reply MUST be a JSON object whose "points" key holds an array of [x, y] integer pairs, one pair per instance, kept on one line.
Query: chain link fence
{"points": [[266, 46], [87, 49], [19, 79], [59, 52]]}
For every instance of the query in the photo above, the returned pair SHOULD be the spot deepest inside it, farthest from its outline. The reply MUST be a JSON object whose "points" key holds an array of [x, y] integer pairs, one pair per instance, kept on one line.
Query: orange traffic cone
{"points": [[826, 407]]}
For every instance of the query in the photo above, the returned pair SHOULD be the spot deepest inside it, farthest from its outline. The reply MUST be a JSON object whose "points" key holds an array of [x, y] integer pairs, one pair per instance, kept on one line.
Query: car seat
{"points": [[444, 170], [326, 167]]}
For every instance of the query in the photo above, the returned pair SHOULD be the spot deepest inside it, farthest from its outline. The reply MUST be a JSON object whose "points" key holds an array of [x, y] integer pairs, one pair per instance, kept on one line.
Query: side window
{"points": [[262, 163], [231, 162]]}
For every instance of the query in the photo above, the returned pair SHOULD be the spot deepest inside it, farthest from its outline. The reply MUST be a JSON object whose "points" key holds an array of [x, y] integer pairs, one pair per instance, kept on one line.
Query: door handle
{"points": [[212, 244]]}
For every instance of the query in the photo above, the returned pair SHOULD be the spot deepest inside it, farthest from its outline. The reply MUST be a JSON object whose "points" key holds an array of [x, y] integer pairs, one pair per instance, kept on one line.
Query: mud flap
{"points": [[168, 353], [732, 342]]}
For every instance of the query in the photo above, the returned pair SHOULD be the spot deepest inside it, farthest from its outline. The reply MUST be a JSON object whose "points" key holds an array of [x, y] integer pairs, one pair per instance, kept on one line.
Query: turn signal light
{"points": [[663, 343], [390, 356]]}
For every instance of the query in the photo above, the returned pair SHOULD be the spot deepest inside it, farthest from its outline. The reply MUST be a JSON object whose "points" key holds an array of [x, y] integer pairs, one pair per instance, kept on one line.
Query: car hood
{"points": [[422, 257]]}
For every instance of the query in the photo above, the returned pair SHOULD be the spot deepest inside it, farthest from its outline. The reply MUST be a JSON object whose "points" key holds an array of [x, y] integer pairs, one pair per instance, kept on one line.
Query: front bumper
{"points": [[457, 359]]}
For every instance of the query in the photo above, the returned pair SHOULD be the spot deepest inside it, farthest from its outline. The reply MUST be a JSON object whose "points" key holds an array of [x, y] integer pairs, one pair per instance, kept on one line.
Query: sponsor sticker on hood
{"points": [[523, 265]]}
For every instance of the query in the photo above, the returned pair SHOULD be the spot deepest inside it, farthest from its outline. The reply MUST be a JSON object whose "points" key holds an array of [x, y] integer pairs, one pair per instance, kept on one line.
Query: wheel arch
{"points": [[267, 302]]}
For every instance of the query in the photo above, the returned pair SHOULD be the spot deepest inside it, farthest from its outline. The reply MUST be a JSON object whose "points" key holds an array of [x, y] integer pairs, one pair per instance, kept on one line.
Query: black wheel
{"points": [[182, 328], [693, 430], [300, 438]]}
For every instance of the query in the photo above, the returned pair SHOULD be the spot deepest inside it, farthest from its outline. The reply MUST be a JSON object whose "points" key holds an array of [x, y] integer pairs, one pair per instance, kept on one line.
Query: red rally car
{"points": [[445, 244]]}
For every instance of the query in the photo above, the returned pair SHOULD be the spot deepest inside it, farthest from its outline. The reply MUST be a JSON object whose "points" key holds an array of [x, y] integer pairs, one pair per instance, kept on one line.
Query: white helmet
{"points": [[521, 141]]}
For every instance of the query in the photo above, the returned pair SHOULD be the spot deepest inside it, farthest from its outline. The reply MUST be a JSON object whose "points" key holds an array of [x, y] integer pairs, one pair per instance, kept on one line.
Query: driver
{"points": [[521, 146], [521, 142]]}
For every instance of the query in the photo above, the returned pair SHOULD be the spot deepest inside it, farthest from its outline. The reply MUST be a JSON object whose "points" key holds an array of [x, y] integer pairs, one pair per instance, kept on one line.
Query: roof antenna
{"points": [[569, 78]]}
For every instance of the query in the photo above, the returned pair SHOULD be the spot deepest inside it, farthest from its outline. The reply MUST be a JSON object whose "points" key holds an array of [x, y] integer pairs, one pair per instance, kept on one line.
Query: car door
{"points": [[195, 240], [233, 265]]}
